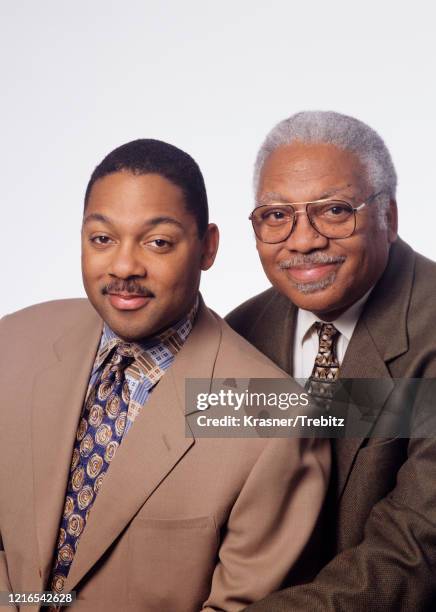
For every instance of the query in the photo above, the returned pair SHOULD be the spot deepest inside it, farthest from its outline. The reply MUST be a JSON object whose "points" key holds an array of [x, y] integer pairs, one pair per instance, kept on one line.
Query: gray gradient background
{"points": [[78, 79]]}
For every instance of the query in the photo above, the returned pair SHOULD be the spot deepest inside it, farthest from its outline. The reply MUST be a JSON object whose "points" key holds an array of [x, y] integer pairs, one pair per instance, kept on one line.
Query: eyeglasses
{"points": [[273, 223]]}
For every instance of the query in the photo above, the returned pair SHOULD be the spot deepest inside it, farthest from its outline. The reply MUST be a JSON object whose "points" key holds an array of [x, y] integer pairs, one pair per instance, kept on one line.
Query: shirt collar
{"points": [[345, 323], [173, 336]]}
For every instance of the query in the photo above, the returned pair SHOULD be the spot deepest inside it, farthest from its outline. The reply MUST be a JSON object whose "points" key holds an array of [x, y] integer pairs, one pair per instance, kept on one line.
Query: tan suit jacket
{"points": [[379, 533], [180, 524]]}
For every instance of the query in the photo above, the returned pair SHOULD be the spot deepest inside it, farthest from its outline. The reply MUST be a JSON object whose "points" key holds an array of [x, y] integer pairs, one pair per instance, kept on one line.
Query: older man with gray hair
{"points": [[349, 300]]}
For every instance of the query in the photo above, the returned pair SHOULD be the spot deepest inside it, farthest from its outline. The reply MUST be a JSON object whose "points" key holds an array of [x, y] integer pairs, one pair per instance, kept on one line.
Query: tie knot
{"points": [[326, 357], [326, 331], [125, 349], [123, 355]]}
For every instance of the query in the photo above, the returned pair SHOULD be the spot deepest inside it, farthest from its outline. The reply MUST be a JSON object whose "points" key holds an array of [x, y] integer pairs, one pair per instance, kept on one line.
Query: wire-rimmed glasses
{"points": [[335, 219]]}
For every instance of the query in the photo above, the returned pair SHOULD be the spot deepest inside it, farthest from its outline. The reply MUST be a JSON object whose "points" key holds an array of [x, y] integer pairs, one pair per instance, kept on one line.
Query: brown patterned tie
{"points": [[326, 367]]}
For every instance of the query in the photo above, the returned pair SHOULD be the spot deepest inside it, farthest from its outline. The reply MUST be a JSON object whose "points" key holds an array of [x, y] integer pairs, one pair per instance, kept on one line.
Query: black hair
{"points": [[148, 156]]}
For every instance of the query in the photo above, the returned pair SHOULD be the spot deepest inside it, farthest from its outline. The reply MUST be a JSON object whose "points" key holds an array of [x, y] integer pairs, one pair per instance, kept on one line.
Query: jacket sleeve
{"points": [[393, 569], [270, 522]]}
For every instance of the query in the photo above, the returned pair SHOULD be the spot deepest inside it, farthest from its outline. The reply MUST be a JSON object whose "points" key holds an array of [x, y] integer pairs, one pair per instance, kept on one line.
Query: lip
{"points": [[122, 301], [311, 273]]}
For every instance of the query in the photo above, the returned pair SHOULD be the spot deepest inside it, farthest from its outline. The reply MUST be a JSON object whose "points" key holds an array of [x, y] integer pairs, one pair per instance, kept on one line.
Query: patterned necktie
{"points": [[98, 437], [326, 367]]}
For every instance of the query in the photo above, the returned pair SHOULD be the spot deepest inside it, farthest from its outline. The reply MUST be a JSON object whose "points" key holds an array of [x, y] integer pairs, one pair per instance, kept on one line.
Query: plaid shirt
{"points": [[152, 357]]}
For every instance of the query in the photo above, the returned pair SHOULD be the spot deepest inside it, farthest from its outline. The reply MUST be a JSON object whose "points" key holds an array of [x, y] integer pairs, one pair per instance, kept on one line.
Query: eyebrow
{"points": [[273, 197], [149, 223]]}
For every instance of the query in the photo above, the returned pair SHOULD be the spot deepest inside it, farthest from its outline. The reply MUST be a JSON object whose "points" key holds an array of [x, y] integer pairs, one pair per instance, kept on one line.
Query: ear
{"points": [[210, 242], [392, 221]]}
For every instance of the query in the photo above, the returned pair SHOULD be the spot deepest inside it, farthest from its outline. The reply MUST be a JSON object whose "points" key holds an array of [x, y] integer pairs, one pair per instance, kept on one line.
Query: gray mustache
{"points": [[310, 258]]}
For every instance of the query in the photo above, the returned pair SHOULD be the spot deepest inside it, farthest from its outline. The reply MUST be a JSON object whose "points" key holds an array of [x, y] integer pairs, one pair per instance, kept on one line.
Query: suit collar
{"points": [[156, 442]]}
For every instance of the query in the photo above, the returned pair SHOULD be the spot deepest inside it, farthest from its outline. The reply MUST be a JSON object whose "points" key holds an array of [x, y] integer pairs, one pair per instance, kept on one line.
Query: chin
{"points": [[128, 333], [317, 286]]}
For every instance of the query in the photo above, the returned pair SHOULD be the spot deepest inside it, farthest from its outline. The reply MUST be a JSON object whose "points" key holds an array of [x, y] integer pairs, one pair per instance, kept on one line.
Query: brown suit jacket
{"points": [[180, 524], [379, 533]]}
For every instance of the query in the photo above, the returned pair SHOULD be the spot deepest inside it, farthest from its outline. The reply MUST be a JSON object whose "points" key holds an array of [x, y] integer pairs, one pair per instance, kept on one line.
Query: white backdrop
{"points": [[80, 78]]}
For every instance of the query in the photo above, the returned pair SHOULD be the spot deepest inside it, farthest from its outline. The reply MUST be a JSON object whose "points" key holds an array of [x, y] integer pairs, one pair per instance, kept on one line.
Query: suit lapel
{"points": [[155, 444], [380, 336], [58, 395], [362, 361]]}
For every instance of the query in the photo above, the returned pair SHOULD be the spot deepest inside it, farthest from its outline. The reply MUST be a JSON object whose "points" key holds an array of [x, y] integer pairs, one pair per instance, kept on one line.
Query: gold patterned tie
{"points": [[326, 367], [98, 437]]}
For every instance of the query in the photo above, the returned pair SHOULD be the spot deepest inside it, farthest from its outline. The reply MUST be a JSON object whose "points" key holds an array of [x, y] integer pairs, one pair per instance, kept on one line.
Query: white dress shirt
{"points": [[306, 340]]}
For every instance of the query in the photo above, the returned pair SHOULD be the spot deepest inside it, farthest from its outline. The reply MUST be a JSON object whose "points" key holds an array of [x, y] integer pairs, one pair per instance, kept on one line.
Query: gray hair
{"points": [[345, 133]]}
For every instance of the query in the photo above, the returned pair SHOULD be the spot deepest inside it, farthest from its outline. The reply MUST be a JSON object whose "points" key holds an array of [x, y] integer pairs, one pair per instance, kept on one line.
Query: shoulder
{"points": [[421, 311], [420, 306], [47, 320], [245, 316], [407, 271], [399, 313], [425, 277], [237, 357]]}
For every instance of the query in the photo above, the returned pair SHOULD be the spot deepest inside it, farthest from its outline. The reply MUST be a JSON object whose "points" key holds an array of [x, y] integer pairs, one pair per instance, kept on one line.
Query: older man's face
{"points": [[297, 267]]}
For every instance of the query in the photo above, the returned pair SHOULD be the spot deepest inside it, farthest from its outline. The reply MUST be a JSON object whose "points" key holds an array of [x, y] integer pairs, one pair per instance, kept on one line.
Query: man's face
{"points": [[141, 253], [297, 267]]}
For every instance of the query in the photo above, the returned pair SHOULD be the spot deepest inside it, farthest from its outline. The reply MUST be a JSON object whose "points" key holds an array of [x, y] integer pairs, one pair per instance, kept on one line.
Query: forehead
{"points": [[123, 195], [302, 172]]}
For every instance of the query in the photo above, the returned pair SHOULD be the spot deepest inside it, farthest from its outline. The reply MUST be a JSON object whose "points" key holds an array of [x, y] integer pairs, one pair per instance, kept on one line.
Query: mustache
{"points": [[303, 259], [127, 286]]}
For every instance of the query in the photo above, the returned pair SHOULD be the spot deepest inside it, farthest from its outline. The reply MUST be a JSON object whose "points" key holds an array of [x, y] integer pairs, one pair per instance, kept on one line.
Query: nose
{"points": [[304, 237], [127, 261]]}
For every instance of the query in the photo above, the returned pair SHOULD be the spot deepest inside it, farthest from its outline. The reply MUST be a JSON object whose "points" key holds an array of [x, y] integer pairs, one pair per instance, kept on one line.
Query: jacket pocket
{"points": [[171, 562]]}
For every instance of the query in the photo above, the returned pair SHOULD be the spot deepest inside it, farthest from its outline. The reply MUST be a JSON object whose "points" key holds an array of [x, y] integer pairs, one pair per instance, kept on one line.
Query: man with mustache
{"points": [[349, 300], [104, 488]]}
